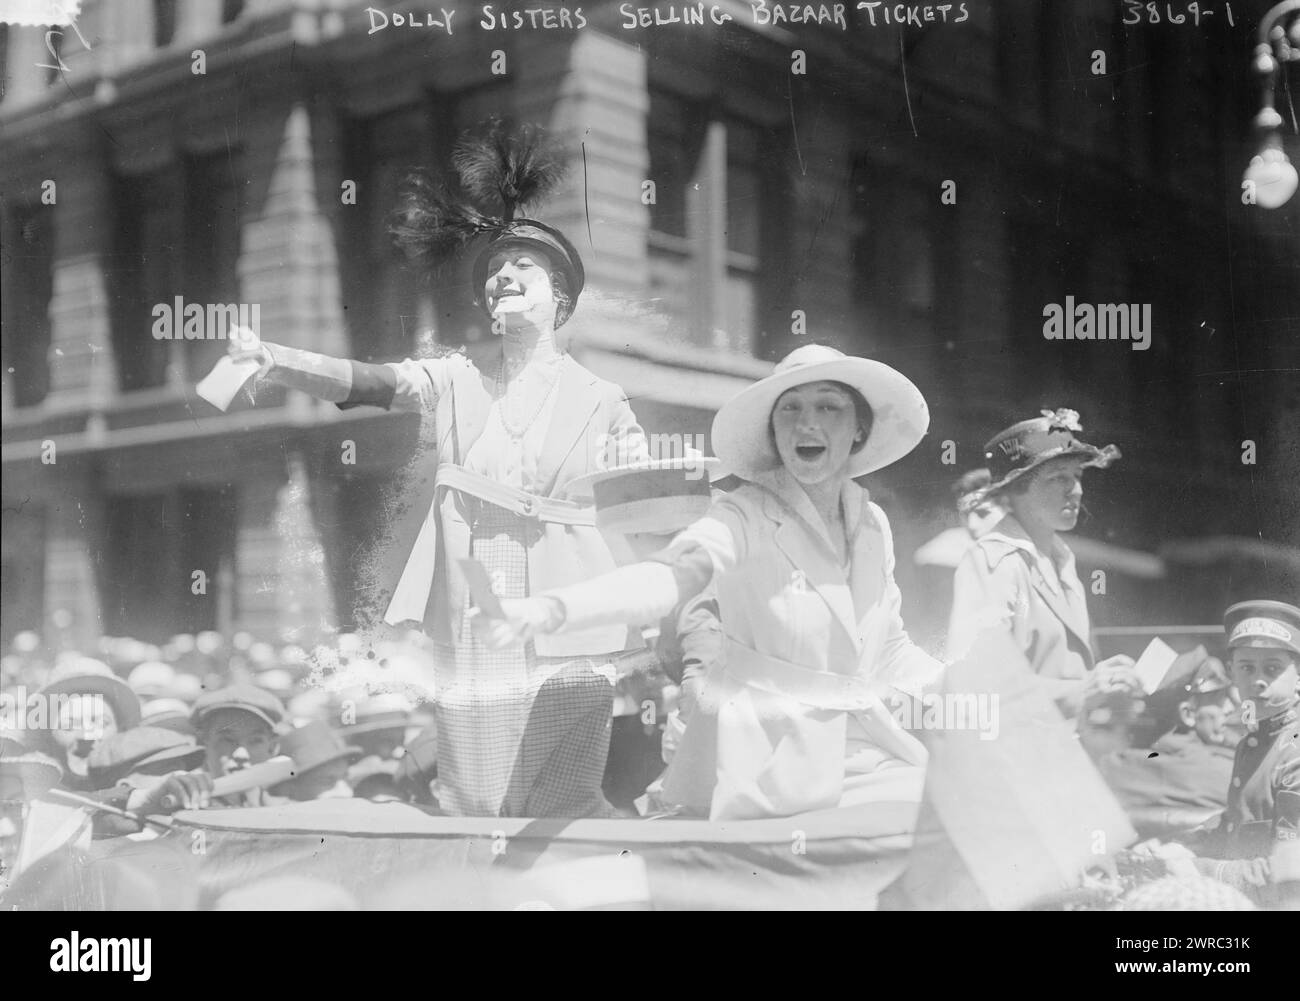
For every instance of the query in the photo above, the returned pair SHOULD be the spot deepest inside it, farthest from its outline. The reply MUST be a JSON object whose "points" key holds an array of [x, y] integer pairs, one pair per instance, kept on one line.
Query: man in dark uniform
{"points": [[1178, 780], [1264, 792]]}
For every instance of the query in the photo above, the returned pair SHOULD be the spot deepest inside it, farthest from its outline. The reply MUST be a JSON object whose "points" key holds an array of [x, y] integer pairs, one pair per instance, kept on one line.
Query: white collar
{"points": [[853, 499], [1060, 561]]}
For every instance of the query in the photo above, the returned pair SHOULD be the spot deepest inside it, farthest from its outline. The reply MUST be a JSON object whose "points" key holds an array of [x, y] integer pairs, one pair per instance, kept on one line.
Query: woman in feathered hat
{"points": [[794, 719], [1020, 575], [521, 732]]}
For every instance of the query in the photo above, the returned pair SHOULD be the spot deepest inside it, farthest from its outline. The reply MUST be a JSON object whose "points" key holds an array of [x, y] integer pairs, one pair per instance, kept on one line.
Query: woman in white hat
{"points": [[795, 718]]}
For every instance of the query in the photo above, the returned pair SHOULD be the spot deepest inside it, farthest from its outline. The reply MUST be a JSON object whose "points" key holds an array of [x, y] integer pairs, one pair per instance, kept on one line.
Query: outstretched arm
{"points": [[642, 592], [336, 380], [631, 595]]}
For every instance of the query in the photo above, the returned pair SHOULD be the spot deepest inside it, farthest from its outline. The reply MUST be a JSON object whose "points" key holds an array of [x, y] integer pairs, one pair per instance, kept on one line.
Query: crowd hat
{"points": [[86, 676], [1185, 893], [169, 714], [248, 698], [386, 711], [276, 680], [311, 704], [971, 490], [1192, 674], [900, 417], [152, 680], [315, 744], [144, 750], [25, 774], [1016, 450], [653, 495], [187, 687], [1267, 624]]}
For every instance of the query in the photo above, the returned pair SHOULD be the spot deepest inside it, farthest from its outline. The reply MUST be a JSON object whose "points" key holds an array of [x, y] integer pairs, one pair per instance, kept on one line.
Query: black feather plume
{"points": [[502, 168], [430, 224], [515, 165]]}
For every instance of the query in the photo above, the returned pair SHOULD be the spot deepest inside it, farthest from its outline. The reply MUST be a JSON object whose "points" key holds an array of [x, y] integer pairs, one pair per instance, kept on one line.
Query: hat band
{"points": [[1258, 628]]}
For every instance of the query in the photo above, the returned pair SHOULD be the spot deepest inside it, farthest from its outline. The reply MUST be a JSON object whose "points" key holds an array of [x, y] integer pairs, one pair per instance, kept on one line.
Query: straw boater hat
{"points": [[144, 750], [654, 495], [25, 774], [152, 680], [167, 714], [741, 431], [377, 713], [315, 744], [1016, 450], [86, 676]]}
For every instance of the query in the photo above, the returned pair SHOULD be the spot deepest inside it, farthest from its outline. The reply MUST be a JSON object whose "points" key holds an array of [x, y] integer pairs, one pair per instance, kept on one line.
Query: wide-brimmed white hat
{"points": [[900, 416]]}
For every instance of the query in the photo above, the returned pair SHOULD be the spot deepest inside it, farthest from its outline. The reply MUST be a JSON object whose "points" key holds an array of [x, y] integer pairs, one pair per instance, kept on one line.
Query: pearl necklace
{"points": [[517, 431]]}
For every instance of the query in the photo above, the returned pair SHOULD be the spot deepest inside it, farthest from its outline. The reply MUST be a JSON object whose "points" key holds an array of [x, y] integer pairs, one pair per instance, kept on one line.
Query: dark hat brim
{"points": [[169, 759], [35, 773], [116, 692], [1278, 625], [199, 715], [527, 232], [373, 726], [1095, 458], [349, 754]]}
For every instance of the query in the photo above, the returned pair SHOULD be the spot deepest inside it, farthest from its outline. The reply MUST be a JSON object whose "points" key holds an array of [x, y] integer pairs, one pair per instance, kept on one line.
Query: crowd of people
{"points": [[751, 640]]}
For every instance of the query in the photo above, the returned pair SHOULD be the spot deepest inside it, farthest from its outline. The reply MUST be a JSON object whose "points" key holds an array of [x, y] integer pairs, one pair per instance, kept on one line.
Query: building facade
{"points": [[915, 194]]}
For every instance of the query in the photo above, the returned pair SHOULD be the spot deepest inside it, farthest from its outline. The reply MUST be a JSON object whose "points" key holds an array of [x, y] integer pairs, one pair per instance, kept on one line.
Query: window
{"points": [[22, 569], [4, 60], [388, 298], [211, 251], [28, 285], [164, 22], [182, 531], [1022, 79], [716, 212], [140, 276], [177, 234], [907, 242]]}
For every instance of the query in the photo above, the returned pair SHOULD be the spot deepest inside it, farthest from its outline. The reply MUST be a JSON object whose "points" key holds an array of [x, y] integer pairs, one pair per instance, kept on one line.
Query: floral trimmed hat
{"points": [[1025, 446]]}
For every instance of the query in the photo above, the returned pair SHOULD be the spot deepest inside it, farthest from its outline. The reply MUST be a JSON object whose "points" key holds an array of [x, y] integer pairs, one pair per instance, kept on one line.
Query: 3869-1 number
{"points": [[1170, 13]]}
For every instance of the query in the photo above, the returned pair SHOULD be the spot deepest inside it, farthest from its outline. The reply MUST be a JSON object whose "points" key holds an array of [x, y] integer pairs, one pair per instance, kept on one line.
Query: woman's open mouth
{"points": [[809, 453]]}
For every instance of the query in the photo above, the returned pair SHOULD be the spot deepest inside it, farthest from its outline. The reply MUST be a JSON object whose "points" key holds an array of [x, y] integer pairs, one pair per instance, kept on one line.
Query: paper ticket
{"points": [[220, 386]]}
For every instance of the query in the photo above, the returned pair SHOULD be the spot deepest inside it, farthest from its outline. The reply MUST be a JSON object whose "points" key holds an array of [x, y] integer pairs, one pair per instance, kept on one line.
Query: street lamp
{"points": [[1271, 175]]}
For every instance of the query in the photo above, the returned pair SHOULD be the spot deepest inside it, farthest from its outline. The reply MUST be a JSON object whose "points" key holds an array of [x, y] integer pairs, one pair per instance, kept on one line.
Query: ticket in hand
{"points": [[1154, 664], [480, 588], [220, 386]]}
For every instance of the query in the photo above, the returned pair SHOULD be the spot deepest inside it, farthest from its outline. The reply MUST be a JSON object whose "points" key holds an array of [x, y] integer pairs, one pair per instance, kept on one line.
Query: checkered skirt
{"points": [[518, 734]]}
